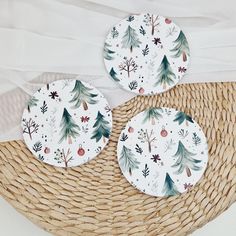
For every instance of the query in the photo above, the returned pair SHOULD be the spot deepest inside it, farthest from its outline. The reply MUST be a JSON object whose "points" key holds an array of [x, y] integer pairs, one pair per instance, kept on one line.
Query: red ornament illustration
{"points": [[130, 129], [164, 132], [47, 150], [141, 90], [168, 21], [81, 151]]}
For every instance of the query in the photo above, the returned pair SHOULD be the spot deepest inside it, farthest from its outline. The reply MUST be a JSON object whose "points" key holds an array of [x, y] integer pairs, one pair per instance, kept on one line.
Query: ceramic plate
{"points": [[146, 54], [66, 123], [162, 152]]}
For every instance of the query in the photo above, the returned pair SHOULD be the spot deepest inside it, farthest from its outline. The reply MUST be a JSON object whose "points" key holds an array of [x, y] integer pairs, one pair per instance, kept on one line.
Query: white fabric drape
{"points": [[67, 36]]}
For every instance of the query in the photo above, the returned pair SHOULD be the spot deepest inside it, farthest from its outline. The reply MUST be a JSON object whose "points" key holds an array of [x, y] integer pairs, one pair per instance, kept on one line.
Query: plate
{"points": [[66, 123], [146, 53], [162, 152]]}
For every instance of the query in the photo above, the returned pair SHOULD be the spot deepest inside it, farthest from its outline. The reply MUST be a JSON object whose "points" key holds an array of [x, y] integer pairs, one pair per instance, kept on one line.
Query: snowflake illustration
{"points": [[84, 119], [155, 158], [182, 69], [156, 41], [53, 95], [188, 186]]}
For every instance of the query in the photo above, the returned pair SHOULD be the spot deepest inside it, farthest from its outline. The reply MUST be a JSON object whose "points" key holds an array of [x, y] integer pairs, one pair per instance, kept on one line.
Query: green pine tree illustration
{"points": [[102, 129], [113, 74], [181, 117], [68, 127], [165, 73], [128, 162], [169, 188], [130, 39], [152, 114], [32, 103], [82, 95], [181, 47], [107, 53], [185, 160]]}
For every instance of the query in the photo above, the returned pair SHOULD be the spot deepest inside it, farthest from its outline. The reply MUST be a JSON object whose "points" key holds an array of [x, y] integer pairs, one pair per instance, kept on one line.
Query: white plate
{"points": [[66, 123], [162, 152], [146, 54]]}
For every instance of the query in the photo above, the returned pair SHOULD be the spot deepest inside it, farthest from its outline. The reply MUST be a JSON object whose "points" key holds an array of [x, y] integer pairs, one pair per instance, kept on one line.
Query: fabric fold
{"points": [[67, 36]]}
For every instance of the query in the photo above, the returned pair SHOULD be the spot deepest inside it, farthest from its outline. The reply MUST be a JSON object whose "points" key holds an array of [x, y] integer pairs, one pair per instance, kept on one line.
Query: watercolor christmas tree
{"points": [[32, 103], [82, 95], [113, 74], [128, 162], [185, 160], [165, 74], [181, 47], [107, 52], [69, 129], [152, 114], [102, 130], [180, 117], [130, 39], [169, 188]]}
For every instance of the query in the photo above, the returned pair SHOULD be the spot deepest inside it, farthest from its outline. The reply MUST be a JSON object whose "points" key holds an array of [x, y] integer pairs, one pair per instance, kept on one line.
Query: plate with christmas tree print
{"points": [[66, 123], [162, 152], [146, 53]]}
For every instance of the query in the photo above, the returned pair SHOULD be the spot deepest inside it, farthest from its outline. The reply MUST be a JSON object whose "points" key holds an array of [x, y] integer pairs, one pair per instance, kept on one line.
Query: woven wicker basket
{"points": [[95, 199]]}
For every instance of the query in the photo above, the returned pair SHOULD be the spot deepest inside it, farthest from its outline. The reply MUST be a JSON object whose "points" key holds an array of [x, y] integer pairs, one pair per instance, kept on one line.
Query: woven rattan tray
{"points": [[95, 199]]}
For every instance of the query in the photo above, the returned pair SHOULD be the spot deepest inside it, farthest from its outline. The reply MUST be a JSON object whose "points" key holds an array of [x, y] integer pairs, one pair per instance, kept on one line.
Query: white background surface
{"points": [[58, 36]]}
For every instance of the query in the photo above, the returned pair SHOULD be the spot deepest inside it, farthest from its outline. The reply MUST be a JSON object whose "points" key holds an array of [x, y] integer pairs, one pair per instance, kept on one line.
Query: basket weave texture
{"points": [[96, 199]]}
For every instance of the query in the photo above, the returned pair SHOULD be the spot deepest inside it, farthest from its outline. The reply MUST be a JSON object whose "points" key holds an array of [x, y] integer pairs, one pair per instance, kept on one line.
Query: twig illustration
{"points": [[147, 137], [128, 65], [171, 31], [61, 156], [169, 145], [30, 127]]}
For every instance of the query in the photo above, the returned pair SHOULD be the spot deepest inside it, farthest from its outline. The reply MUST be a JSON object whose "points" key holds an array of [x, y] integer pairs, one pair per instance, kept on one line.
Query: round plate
{"points": [[162, 152], [146, 54], [66, 123]]}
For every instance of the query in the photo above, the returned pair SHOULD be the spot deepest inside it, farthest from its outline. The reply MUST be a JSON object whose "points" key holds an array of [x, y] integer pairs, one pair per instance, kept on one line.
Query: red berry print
{"points": [[168, 21], [46, 150], [141, 90], [130, 129]]}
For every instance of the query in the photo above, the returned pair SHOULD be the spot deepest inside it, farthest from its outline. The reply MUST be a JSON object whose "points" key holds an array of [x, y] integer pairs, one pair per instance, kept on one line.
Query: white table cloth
{"points": [[67, 36]]}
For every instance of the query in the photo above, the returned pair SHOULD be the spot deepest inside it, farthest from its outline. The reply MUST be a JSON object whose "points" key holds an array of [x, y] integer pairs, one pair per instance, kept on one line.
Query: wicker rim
{"points": [[64, 202]]}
